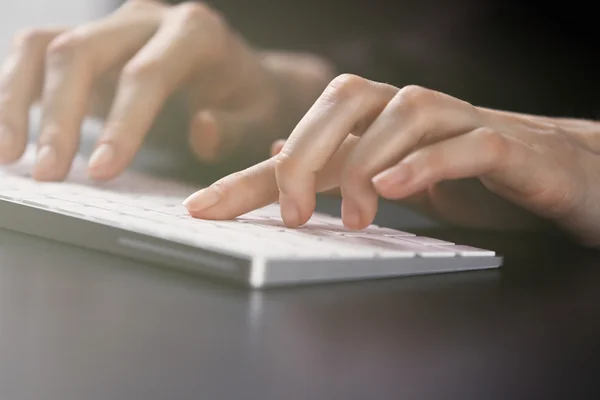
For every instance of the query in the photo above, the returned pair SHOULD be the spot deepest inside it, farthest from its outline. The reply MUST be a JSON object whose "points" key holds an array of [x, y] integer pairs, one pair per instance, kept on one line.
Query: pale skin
{"points": [[129, 66], [463, 164], [417, 145]]}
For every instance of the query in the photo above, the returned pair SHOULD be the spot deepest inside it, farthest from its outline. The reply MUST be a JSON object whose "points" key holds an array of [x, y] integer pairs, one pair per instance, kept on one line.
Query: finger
{"points": [[162, 66], [479, 153], [276, 149], [21, 78], [415, 117], [468, 203], [236, 194], [75, 60], [348, 104], [205, 139], [256, 187], [216, 134]]}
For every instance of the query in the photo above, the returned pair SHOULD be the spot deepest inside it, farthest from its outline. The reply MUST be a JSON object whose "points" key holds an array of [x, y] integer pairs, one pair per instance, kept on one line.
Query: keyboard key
{"points": [[383, 249], [386, 231], [427, 240], [468, 251]]}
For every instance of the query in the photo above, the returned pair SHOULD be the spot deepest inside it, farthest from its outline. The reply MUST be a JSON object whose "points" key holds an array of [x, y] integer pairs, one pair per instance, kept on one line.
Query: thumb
{"points": [[277, 146], [216, 134], [211, 133]]}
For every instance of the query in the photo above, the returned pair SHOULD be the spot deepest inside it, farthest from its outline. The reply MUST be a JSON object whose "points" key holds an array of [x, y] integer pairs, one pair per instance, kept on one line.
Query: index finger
{"points": [[348, 105], [236, 194], [256, 187]]}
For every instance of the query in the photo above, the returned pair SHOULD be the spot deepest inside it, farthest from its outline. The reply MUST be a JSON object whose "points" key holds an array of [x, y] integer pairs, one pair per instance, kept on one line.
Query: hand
{"points": [[124, 68], [371, 139]]}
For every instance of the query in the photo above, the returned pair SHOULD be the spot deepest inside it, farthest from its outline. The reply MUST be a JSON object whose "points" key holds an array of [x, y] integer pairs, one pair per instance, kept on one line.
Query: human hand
{"points": [[125, 68], [371, 140]]}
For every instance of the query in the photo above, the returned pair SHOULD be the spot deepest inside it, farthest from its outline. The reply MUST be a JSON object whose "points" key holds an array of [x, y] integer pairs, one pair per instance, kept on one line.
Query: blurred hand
{"points": [[124, 68], [468, 165]]}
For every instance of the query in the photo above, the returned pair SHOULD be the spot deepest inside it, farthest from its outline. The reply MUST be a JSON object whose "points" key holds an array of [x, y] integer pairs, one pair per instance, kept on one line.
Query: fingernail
{"points": [[202, 200], [351, 214], [101, 157], [46, 161], [394, 176], [290, 213]]}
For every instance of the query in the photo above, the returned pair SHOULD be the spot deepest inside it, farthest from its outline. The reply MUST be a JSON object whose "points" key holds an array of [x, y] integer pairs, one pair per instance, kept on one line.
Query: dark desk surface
{"points": [[80, 325]]}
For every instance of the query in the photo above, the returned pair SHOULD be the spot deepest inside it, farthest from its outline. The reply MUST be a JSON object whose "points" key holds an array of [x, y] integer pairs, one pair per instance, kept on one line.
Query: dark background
{"points": [[536, 57]]}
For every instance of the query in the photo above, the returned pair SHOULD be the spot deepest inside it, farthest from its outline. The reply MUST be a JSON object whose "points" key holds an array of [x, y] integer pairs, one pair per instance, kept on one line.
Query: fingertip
{"points": [[236, 194], [352, 215], [297, 200], [296, 190], [212, 204], [11, 147], [290, 212], [102, 161], [46, 167], [277, 146], [202, 200], [360, 202]]}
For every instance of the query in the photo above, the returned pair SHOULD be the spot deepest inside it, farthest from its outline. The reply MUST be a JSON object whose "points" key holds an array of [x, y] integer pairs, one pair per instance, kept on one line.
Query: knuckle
{"points": [[133, 7], [200, 20], [417, 105], [142, 4], [345, 86], [196, 13], [414, 96], [242, 179], [238, 181], [148, 71], [195, 10], [221, 186], [66, 47], [286, 164], [30, 38], [493, 142]]}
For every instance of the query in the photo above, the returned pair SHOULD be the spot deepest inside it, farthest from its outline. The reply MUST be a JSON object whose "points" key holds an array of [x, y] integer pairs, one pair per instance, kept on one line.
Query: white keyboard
{"points": [[142, 217]]}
